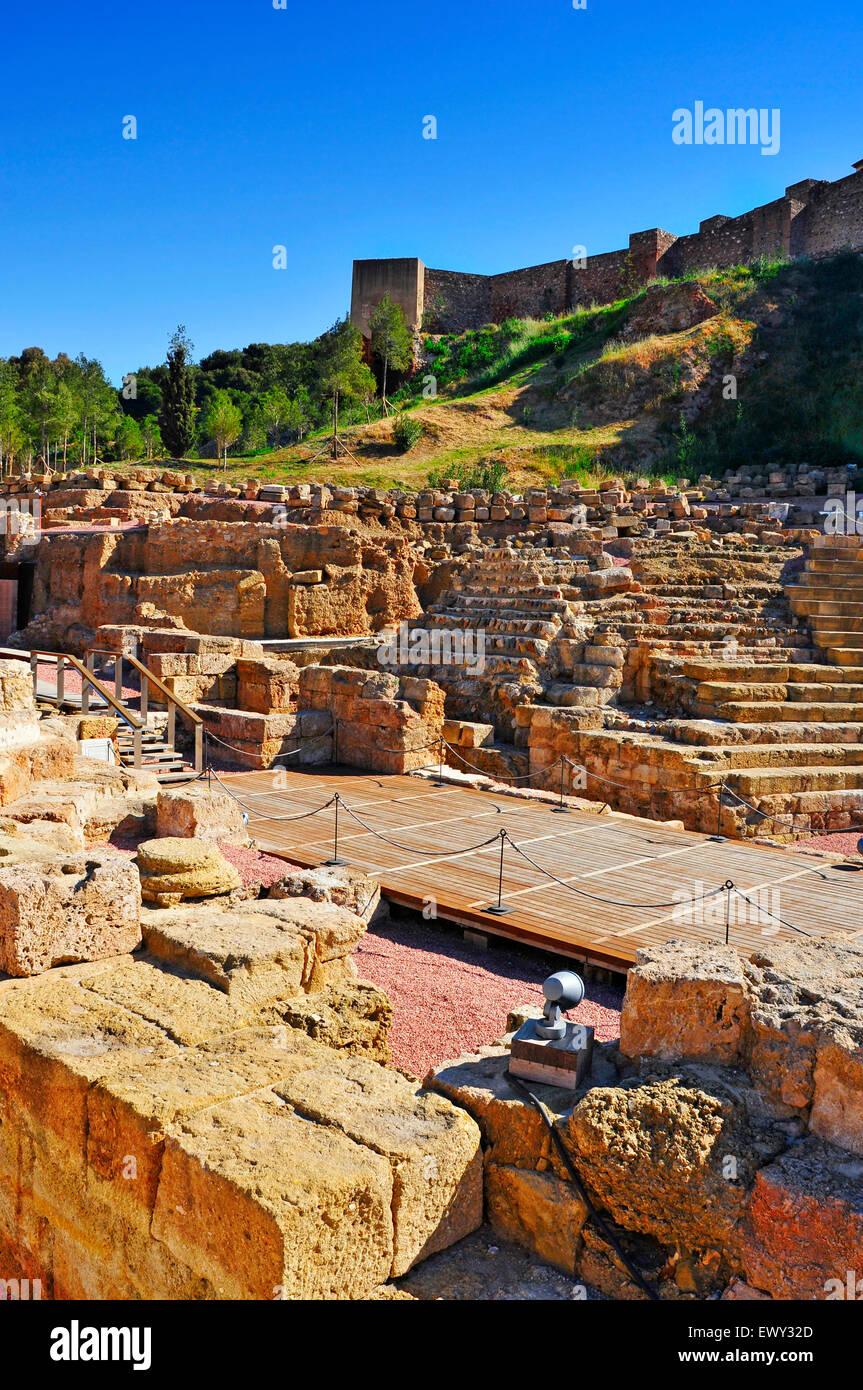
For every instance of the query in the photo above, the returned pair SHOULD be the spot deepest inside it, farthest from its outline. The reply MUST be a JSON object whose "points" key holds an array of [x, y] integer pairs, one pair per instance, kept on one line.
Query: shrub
{"points": [[406, 432]]}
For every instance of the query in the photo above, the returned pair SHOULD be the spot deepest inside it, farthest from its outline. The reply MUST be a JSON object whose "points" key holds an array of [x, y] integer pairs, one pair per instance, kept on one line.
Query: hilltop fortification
{"points": [[813, 218]]}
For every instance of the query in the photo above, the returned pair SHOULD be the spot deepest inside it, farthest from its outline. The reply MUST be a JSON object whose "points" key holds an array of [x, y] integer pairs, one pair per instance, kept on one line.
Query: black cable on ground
{"points": [[592, 1214]]}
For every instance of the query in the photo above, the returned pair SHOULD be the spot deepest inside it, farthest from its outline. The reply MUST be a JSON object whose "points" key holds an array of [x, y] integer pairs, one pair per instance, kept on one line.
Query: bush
{"points": [[406, 432]]}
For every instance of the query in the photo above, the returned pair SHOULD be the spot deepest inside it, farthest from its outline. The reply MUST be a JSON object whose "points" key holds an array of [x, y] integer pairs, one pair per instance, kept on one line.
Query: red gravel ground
{"points": [[840, 842], [254, 866], [450, 997]]}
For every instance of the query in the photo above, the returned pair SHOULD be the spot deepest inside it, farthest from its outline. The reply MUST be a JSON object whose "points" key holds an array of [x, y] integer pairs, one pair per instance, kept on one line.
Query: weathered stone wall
{"points": [[402, 279], [380, 722], [720, 1141], [813, 218], [236, 579], [210, 1120]]}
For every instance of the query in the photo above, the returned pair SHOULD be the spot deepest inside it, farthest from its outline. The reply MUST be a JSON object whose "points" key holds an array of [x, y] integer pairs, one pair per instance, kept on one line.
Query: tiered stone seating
{"points": [[774, 711], [829, 594]]}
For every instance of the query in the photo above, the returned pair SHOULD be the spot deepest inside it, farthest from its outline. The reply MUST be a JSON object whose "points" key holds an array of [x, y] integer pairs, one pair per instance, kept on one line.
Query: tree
{"points": [[65, 415], [223, 423], [392, 343], [275, 408], [10, 415], [342, 370], [97, 403], [297, 418], [129, 441], [178, 396], [151, 436]]}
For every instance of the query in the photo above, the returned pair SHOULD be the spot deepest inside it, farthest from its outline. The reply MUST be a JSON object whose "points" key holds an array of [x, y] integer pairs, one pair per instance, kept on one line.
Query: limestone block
{"points": [[267, 1206], [257, 953], [654, 1154], [537, 1210], [16, 686], [353, 1016], [200, 812], [803, 1230], [56, 1039], [68, 908], [190, 1011], [604, 656], [173, 868], [267, 684], [686, 999], [342, 885], [512, 1131], [807, 1031], [837, 1105], [432, 1147]]}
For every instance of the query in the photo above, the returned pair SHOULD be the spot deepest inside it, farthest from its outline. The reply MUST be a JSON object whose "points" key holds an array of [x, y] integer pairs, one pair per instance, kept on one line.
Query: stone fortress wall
{"points": [[813, 218]]}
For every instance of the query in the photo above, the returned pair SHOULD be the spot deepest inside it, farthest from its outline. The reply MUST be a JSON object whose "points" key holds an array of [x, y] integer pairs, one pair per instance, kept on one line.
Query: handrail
{"points": [[171, 700], [153, 679], [63, 657]]}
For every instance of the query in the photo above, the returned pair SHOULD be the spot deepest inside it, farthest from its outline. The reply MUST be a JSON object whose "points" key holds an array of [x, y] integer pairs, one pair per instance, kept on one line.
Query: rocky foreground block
{"points": [[173, 868], [260, 952], [159, 1141], [686, 999], [72, 907], [196, 811], [791, 1015], [803, 1235], [344, 886]]}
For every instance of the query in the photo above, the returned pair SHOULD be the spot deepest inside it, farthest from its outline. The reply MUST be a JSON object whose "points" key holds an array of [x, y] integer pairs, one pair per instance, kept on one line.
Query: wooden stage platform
{"points": [[631, 876]]}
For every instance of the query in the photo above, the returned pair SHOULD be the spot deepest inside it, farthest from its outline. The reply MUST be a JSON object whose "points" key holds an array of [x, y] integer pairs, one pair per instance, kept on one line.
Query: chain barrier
{"points": [[503, 837], [789, 824]]}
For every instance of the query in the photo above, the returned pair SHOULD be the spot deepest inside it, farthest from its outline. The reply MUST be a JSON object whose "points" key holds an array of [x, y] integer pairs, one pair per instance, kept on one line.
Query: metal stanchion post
{"points": [[719, 835], [498, 909], [335, 862], [728, 887], [561, 809], [440, 782]]}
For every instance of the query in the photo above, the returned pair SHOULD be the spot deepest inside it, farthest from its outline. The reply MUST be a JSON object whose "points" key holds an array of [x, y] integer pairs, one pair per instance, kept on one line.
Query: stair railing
{"points": [[88, 682], [174, 704]]}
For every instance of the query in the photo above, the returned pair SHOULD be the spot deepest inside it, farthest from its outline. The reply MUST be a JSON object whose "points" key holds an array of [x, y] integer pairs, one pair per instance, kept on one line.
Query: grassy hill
{"points": [[723, 368]]}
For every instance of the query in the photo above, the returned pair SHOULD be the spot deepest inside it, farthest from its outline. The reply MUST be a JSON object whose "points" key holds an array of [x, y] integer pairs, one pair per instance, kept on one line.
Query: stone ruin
{"points": [[184, 1057], [688, 651], [721, 1140]]}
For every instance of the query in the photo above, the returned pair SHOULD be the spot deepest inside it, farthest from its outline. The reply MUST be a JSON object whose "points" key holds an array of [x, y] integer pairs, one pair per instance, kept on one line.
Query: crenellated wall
{"points": [[813, 218]]}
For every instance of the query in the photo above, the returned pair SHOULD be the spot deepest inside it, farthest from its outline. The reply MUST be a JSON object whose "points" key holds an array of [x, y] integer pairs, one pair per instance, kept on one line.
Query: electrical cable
{"points": [[593, 1215]]}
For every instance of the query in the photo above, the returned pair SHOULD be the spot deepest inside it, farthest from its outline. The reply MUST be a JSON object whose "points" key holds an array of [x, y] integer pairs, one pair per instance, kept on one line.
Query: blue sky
{"points": [[302, 127]]}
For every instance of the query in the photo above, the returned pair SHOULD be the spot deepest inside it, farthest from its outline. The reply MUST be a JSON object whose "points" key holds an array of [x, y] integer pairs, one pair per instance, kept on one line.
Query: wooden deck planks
{"points": [[641, 869]]}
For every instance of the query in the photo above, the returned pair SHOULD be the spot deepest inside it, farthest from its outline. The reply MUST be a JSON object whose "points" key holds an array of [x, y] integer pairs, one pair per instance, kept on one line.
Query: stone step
{"points": [[819, 563], [814, 606], [845, 636], [716, 734], [756, 711], [499, 621], [770, 781], [781, 757], [847, 657], [763, 672]]}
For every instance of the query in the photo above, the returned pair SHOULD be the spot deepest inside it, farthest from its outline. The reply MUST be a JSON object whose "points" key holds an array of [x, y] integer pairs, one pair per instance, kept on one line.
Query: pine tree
{"points": [[392, 343], [178, 397]]}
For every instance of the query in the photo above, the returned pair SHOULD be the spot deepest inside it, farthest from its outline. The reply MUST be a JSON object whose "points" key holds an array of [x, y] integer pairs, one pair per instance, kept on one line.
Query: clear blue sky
{"points": [[303, 127]]}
